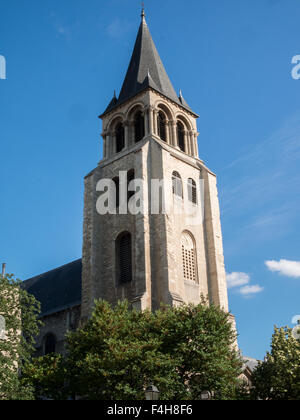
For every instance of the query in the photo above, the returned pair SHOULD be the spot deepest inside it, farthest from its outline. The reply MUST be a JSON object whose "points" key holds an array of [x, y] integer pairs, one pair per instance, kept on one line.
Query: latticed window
{"points": [[139, 127], [49, 344], [192, 191], [180, 136], [189, 259], [162, 126], [177, 184], [120, 138], [124, 258]]}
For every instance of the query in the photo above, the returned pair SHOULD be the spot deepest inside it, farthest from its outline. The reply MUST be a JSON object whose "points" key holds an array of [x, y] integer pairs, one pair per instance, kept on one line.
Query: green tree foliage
{"points": [[118, 352], [278, 377], [47, 377], [20, 311]]}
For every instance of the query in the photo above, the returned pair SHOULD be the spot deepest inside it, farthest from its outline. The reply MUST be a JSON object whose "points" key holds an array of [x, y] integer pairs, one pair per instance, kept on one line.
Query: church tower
{"points": [[149, 258]]}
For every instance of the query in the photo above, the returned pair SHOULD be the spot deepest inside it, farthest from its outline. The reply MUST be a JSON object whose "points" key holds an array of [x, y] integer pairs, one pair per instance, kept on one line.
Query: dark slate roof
{"points": [[58, 289], [146, 70]]}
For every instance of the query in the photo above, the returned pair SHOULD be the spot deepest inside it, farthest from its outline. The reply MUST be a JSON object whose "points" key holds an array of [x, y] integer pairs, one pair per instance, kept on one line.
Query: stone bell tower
{"points": [[149, 132]]}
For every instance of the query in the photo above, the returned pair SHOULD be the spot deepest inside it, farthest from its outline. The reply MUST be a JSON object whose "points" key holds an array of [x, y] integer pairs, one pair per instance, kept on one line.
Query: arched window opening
{"points": [[177, 185], [124, 258], [49, 344], [162, 126], [192, 191], [180, 136], [130, 177], [139, 127], [117, 184], [189, 259], [120, 138]]}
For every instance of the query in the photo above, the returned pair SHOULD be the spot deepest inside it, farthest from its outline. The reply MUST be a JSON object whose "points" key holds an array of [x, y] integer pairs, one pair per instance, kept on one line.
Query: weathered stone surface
{"points": [[157, 239], [156, 254], [58, 324]]}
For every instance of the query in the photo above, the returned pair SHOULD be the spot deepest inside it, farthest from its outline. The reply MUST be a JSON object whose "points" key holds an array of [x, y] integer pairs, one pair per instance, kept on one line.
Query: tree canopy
{"points": [[119, 351], [278, 377], [19, 314]]}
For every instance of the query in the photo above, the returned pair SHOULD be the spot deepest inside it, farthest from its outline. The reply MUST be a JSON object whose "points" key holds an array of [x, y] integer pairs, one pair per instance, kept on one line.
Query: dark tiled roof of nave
{"points": [[57, 289]]}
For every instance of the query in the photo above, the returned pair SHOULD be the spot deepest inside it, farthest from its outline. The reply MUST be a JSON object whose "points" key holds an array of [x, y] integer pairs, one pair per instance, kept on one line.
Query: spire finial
{"points": [[143, 15]]}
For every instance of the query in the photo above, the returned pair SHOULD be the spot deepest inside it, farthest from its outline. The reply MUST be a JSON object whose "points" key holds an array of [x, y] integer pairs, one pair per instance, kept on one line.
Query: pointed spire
{"points": [[146, 70], [112, 103], [183, 101], [143, 15], [148, 82], [145, 59]]}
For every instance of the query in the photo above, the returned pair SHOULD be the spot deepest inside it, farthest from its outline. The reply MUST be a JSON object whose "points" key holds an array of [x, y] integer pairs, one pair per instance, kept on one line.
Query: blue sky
{"points": [[232, 61]]}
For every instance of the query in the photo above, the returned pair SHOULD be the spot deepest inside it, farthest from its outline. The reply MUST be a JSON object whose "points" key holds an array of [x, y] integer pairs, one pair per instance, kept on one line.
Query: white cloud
{"points": [[241, 281], [237, 279], [251, 290], [285, 267]]}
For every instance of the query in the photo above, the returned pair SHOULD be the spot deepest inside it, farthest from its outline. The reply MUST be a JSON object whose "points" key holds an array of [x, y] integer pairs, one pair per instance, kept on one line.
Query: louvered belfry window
{"points": [[180, 135], [162, 127], [120, 138], [189, 259], [192, 191], [139, 127], [124, 250]]}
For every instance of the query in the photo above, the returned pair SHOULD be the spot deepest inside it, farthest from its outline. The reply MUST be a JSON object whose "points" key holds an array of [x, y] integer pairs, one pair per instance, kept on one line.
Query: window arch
{"points": [[124, 258], [120, 138], [192, 191], [139, 127], [180, 136], [49, 344], [189, 259], [162, 126], [177, 184]]}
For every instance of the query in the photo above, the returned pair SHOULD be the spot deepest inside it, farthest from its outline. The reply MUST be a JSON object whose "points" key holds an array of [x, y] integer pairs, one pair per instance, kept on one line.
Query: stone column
{"points": [[131, 133], [167, 132], [107, 145], [126, 128], [191, 138], [196, 144], [186, 142], [150, 112], [174, 134], [104, 146], [155, 113], [170, 130], [146, 120]]}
